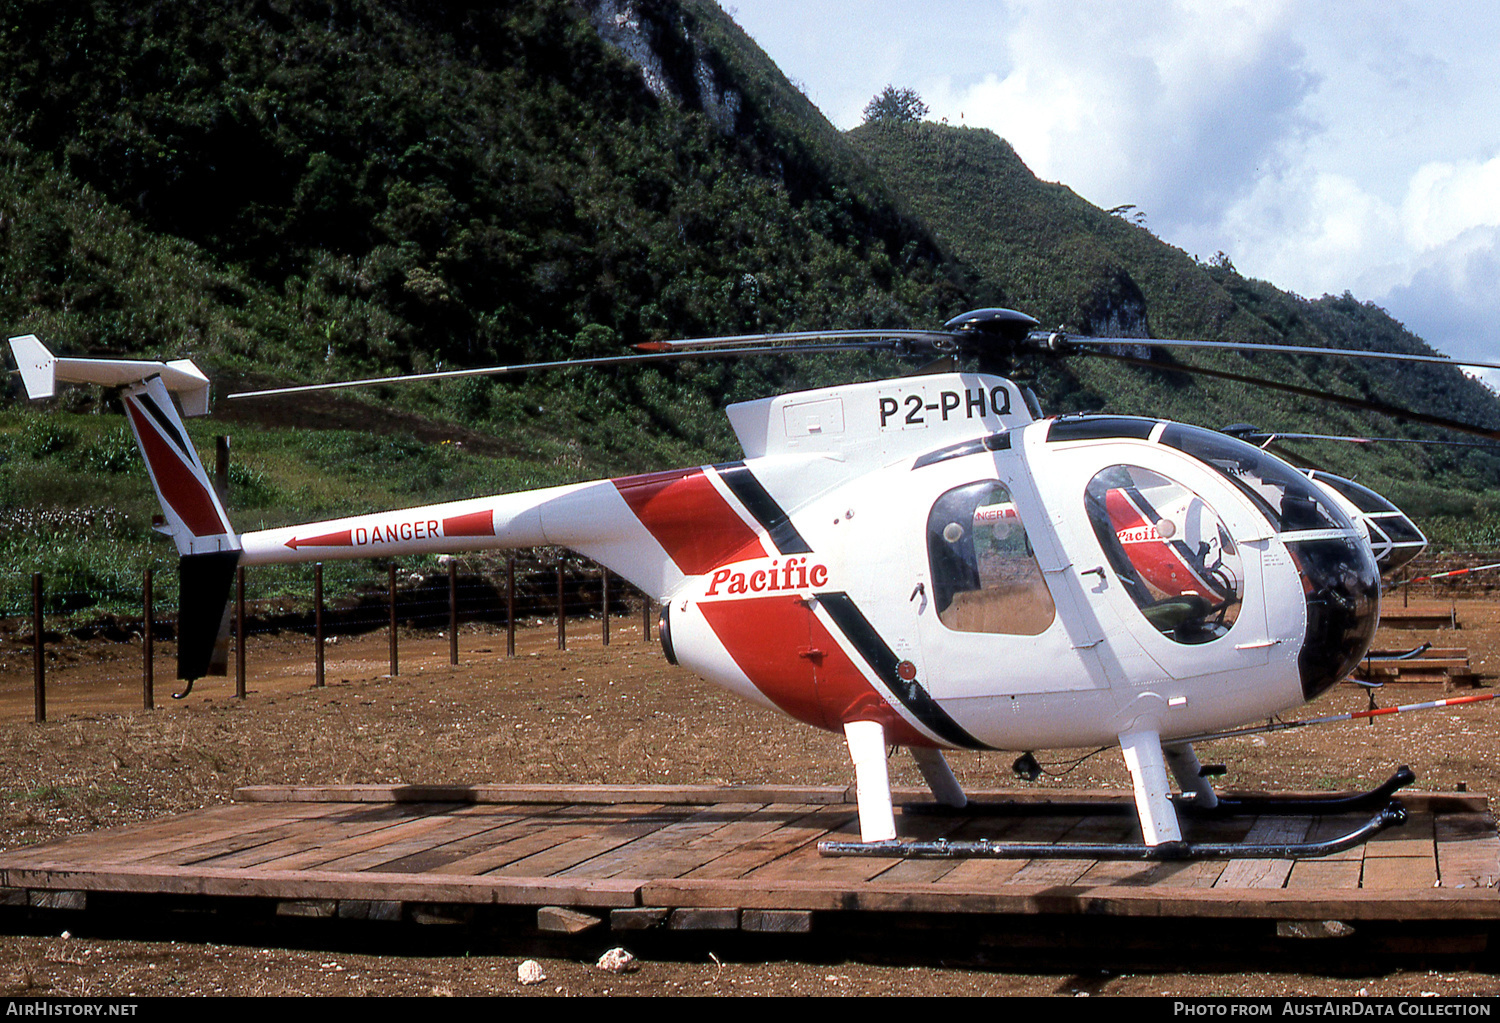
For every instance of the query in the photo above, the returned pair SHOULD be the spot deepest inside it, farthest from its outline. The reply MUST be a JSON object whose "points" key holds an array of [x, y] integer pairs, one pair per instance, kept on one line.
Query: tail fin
{"points": [[194, 516]]}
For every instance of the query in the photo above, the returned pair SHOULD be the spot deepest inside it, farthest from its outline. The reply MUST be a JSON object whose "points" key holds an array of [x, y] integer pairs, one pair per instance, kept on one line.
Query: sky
{"points": [[1323, 146]]}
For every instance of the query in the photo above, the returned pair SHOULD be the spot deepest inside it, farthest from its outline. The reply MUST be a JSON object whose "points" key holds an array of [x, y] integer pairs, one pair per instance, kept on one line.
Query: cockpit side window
{"points": [[985, 577], [1170, 550]]}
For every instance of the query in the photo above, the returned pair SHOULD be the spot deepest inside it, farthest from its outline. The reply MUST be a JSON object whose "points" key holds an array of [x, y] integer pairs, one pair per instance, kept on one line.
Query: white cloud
{"points": [[1326, 146], [1178, 117]]}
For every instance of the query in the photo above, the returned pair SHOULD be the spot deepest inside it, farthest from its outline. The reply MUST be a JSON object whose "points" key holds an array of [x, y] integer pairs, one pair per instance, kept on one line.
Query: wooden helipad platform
{"points": [[638, 857]]}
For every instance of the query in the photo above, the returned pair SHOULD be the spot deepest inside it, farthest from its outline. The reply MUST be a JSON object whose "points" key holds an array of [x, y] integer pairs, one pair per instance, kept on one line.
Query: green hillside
{"points": [[313, 191]]}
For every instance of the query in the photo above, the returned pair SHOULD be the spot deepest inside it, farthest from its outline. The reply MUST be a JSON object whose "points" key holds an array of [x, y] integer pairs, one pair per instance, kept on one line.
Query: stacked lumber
{"points": [[1448, 665]]}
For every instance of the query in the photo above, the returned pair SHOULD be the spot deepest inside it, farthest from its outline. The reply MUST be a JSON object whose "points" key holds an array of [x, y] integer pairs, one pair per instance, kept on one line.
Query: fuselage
{"points": [[928, 554]]}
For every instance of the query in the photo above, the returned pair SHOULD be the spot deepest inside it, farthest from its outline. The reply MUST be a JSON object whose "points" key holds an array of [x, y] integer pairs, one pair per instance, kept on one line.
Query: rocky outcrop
{"points": [[675, 64]]}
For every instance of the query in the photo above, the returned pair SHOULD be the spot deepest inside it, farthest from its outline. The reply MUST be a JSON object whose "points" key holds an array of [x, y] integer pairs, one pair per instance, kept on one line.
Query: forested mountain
{"points": [[290, 191]]}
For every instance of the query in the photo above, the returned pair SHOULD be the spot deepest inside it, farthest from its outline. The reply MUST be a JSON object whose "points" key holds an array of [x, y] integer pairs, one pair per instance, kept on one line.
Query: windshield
{"points": [[1291, 501]]}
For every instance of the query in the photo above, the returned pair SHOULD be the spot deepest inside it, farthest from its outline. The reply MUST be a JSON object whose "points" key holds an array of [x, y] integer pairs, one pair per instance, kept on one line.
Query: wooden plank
{"points": [[1405, 872], [139, 842], [1414, 838], [803, 861], [313, 848], [1112, 829], [246, 841], [708, 794], [808, 864], [1196, 874], [547, 793], [982, 874], [667, 851], [321, 884], [1468, 851], [925, 827], [1329, 876], [523, 838], [1116, 872], [384, 850], [611, 828], [1187, 903], [489, 830], [1246, 873], [789, 834], [316, 828]]}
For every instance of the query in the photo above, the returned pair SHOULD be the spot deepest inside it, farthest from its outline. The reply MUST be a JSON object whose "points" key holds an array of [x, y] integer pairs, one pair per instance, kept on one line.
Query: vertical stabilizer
{"points": [[195, 518]]}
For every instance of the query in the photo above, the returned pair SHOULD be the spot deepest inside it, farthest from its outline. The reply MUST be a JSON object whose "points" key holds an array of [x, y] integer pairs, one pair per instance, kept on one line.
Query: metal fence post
{"points": [[39, 660], [148, 646]]}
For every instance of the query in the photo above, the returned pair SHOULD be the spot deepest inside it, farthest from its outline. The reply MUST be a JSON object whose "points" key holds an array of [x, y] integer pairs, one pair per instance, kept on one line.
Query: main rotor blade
{"points": [[942, 341], [608, 360], [1352, 353], [1259, 437], [1306, 392]]}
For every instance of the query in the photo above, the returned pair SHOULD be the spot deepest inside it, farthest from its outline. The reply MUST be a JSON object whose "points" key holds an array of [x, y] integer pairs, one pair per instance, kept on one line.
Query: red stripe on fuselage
{"points": [[787, 653], [690, 519], [179, 484], [480, 523]]}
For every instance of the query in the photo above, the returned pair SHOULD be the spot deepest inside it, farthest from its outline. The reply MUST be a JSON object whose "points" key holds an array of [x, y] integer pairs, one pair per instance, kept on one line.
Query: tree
{"points": [[895, 105]]}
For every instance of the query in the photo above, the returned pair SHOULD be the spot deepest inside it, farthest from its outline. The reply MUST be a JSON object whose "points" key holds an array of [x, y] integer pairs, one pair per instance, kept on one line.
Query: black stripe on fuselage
{"points": [[994, 442], [878, 654], [163, 420], [763, 507]]}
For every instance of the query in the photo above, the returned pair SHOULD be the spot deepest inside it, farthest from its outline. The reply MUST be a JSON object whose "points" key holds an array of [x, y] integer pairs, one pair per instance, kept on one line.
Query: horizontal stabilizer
{"points": [[41, 372]]}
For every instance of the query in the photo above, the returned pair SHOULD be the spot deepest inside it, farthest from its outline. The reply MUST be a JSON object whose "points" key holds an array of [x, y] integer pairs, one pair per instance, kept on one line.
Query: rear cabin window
{"points": [[985, 577]]}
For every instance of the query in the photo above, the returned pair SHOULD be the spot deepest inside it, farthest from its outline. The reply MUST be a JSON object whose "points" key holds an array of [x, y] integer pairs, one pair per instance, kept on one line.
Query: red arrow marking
{"points": [[344, 539]]}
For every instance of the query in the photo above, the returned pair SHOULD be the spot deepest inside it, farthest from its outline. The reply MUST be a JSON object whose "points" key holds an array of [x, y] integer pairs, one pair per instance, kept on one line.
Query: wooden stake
{"points": [[562, 612], [221, 468], [452, 612], [604, 582], [645, 617], [148, 651], [391, 575], [318, 676], [39, 660], [510, 607], [239, 632]]}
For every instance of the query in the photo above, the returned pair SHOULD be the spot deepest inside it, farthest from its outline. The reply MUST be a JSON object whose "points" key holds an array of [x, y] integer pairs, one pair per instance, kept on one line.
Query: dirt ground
{"points": [[587, 714]]}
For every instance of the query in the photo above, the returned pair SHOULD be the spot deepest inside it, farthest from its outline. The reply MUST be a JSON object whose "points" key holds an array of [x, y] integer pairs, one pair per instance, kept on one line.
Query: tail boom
{"points": [[591, 518]]}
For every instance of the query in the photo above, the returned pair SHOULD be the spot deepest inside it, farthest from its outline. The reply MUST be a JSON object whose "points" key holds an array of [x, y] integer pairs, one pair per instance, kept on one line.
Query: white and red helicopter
{"points": [[925, 562]]}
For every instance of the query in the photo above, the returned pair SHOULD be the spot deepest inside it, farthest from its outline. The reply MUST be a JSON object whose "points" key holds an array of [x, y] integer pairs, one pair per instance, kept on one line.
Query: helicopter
{"points": [[926, 562]]}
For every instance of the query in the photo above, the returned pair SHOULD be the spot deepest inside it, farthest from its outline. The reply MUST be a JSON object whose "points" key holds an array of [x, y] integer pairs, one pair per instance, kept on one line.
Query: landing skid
{"points": [[1228, 806], [1391, 814], [943, 849]]}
